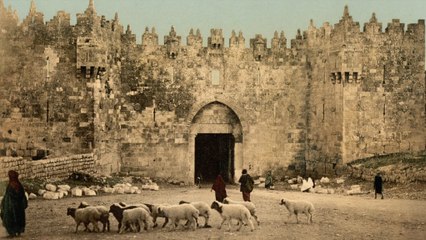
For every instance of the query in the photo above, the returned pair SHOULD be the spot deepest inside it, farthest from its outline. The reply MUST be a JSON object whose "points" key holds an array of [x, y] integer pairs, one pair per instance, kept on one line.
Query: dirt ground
{"points": [[336, 217]]}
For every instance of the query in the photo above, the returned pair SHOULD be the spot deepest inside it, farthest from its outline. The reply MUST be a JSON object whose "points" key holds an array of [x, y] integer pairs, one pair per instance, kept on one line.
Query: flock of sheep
{"points": [[135, 216]]}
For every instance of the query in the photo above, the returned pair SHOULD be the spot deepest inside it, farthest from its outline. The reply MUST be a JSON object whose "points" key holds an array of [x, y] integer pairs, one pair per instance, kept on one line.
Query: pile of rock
{"points": [[53, 192]]}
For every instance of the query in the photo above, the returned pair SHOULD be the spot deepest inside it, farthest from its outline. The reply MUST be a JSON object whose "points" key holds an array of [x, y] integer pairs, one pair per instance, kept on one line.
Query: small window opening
{"points": [[347, 76]]}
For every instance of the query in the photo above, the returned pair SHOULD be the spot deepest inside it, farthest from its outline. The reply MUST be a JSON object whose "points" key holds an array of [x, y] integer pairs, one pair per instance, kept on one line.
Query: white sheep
{"points": [[85, 215], [142, 205], [155, 213], [175, 213], [104, 215], [296, 207], [233, 211], [249, 205], [203, 209], [135, 217]]}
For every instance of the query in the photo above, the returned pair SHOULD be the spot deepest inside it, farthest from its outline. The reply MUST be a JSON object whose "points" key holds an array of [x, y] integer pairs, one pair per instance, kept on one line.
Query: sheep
{"points": [[104, 215], [180, 212], [142, 205], [117, 212], [203, 209], [249, 205], [155, 213], [296, 207], [85, 215], [136, 216], [233, 211]]}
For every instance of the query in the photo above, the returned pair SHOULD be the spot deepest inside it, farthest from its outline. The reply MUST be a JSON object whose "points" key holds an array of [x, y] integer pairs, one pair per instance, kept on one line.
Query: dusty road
{"points": [[336, 217]]}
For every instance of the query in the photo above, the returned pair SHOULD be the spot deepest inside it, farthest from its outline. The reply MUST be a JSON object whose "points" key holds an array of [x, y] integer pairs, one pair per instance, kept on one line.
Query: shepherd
{"points": [[13, 206], [246, 185]]}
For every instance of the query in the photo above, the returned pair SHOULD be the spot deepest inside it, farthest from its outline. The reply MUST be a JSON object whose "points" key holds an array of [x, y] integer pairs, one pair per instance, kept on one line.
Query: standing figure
{"points": [[378, 185], [269, 181], [13, 206], [219, 188], [246, 185]]}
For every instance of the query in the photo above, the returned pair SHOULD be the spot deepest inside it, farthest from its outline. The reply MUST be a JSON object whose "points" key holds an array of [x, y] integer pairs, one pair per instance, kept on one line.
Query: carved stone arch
{"points": [[232, 104], [215, 122]]}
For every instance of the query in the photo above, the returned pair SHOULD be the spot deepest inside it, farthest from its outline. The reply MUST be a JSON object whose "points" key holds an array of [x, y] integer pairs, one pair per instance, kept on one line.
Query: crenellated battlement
{"points": [[345, 30]]}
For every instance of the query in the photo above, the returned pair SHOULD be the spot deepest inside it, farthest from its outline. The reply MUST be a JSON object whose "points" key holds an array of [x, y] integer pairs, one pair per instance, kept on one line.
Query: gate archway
{"points": [[215, 142]]}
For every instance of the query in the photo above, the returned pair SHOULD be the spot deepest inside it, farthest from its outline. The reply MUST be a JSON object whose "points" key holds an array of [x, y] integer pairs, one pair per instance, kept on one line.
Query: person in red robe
{"points": [[219, 188], [13, 206]]}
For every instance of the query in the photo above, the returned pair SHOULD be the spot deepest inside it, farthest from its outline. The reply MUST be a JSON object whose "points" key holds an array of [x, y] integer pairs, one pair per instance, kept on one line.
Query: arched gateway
{"points": [[215, 143]]}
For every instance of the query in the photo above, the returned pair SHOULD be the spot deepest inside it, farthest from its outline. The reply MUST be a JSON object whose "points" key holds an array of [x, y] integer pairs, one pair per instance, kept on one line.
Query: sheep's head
{"points": [[226, 200], [216, 206], [83, 205], [283, 201], [71, 211], [150, 206], [183, 202], [160, 211], [114, 208]]}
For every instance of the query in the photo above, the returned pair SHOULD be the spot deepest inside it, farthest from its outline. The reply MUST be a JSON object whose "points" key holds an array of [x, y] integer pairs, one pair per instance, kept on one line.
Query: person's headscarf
{"points": [[219, 183], [13, 180]]}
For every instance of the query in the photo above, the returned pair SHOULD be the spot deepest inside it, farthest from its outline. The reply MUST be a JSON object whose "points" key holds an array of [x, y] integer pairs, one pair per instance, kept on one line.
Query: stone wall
{"points": [[338, 93], [366, 97], [58, 168]]}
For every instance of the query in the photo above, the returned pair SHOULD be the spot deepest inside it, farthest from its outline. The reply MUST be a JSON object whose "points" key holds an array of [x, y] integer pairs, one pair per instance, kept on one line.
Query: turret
{"points": [[258, 46], [172, 42], [216, 41]]}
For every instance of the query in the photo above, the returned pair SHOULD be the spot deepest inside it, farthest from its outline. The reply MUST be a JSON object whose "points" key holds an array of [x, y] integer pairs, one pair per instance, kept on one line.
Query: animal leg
{"points": [[297, 218], [229, 224], [76, 227], [95, 226], [251, 224], [257, 220], [122, 227], [206, 224], [165, 222], [223, 221], [240, 224]]}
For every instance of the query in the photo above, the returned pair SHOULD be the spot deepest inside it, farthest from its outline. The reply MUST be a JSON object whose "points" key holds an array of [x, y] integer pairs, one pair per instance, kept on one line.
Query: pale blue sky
{"points": [[249, 16]]}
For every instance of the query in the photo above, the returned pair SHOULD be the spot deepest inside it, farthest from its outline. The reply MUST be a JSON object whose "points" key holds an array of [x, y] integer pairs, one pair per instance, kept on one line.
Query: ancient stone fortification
{"points": [[177, 110], [58, 168]]}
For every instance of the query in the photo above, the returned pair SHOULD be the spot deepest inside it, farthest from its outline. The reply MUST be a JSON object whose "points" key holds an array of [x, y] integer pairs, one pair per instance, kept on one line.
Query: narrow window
{"points": [[355, 76], [333, 78], [215, 77], [339, 77], [347, 76]]}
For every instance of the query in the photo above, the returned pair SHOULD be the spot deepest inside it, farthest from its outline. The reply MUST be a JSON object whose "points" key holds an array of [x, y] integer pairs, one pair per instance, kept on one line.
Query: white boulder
{"points": [[50, 187], [41, 192], [324, 180], [51, 195], [77, 192], [32, 196]]}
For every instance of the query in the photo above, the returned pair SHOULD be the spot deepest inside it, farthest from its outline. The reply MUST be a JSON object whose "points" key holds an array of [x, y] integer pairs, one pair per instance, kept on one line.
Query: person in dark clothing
{"points": [[246, 185], [269, 184], [13, 206], [378, 185], [219, 188]]}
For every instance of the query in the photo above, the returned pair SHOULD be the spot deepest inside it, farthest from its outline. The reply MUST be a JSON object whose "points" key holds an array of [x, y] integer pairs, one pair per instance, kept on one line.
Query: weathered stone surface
{"points": [[336, 93]]}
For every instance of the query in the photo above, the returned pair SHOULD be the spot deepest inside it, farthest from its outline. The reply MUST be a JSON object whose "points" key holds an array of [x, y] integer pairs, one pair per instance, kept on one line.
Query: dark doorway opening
{"points": [[214, 154]]}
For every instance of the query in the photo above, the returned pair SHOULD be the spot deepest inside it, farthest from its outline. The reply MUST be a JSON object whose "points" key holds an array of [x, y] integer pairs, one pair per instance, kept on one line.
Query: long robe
{"points": [[13, 207], [219, 189], [378, 184]]}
